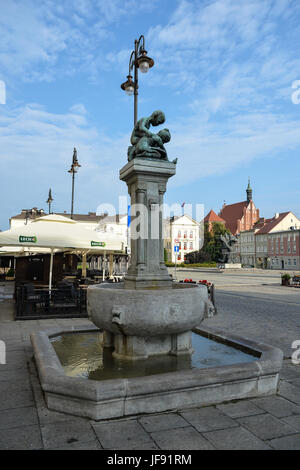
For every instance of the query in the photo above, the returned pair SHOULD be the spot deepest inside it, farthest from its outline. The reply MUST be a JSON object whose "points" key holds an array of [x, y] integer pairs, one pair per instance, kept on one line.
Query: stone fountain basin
{"points": [[100, 400], [147, 312]]}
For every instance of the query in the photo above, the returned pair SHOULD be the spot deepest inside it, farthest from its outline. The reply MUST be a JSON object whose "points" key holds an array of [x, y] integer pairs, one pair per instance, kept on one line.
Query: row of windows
{"points": [[185, 246], [290, 261], [291, 237], [185, 234], [274, 248]]}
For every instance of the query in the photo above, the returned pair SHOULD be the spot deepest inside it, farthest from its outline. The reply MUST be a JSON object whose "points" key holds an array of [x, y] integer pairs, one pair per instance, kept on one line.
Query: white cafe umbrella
{"points": [[55, 231]]}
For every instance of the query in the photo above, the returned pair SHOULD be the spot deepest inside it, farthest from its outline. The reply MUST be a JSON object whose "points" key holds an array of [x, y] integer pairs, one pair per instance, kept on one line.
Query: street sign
{"points": [[176, 248]]}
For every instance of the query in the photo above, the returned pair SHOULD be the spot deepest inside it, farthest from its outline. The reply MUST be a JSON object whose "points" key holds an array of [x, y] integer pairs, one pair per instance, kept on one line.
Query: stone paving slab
{"points": [[162, 422], [277, 406], [295, 382], [93, 445], [181, 439], [67, 432], [21, 438], [16, 399], [13, 418], [286, 443], [266, 426], [293, 421], [14, 376], [240, 409], [289, 391], [127, 433], [235, 439], [208, 419]]}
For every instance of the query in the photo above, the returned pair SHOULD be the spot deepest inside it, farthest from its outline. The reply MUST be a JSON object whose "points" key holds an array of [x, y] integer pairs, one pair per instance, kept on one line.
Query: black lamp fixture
{"points": [[138, 61]]}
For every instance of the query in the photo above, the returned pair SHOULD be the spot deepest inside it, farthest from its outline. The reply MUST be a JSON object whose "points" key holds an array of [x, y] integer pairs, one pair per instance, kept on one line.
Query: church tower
{"points": [[249, 191]]}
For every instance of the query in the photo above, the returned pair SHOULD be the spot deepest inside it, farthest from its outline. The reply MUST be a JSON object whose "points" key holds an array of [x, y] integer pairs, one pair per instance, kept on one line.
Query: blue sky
{"points": [[223, 75]]}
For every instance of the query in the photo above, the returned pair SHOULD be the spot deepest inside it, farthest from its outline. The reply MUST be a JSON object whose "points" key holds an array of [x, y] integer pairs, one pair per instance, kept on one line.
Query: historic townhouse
{"points": [[285, 222], [183, 231], [284, 249]]}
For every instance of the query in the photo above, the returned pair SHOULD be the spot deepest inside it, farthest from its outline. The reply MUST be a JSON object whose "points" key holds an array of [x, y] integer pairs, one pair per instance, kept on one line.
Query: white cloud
{"points": [[209, 149], [36, 153], [42, 39]]}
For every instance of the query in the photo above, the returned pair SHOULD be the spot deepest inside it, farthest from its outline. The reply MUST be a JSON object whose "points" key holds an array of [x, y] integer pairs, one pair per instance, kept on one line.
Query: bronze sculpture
{"points": [[146, 144]]}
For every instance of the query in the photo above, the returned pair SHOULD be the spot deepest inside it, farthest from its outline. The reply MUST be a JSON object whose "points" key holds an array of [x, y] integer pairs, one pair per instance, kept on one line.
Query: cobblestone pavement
{"points": [[271, 422]]}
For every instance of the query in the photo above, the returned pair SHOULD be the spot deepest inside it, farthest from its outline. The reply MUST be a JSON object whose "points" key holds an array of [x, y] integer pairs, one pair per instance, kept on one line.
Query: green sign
{"points": [[23, 239], [97, 243]]}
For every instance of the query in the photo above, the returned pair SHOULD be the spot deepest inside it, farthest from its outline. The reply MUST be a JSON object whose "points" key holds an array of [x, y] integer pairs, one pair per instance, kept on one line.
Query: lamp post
{"points": [[73, 170], [138, 60], [49, 200]]}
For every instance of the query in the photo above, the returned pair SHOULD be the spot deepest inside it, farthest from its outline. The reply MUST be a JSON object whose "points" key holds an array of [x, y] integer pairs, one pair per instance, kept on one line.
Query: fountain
{"points": [[144, 325], [148, 315]]}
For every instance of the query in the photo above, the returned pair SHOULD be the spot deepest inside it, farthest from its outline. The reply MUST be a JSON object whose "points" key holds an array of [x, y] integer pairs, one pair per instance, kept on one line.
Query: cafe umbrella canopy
{"points": [[57, 232]]}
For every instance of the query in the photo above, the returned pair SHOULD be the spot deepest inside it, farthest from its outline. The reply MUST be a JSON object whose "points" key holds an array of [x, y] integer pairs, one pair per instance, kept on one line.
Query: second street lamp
{"points": [[138, 60], [73, 170], [49, 200]]}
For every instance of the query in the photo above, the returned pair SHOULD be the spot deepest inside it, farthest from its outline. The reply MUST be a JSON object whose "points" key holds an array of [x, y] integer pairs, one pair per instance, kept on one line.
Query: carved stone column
{"points": [[146, 180]]}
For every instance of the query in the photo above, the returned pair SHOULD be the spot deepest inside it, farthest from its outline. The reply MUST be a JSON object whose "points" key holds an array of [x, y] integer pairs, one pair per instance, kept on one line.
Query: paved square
{"points": [[271, 422]]}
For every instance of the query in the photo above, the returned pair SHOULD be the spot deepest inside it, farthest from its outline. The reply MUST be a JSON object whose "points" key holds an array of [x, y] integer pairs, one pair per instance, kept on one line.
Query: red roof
{"points": [[231, 213], [271, 223], [213, 217]]}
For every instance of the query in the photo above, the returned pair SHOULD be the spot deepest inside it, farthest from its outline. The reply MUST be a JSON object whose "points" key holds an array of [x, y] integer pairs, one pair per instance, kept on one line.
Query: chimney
{"points": [[276, 215]]}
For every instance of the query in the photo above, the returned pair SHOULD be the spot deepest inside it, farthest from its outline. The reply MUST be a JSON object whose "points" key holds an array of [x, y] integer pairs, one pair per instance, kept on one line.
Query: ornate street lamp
{"points": [[49, 200], [138, 60], [73, 170]]}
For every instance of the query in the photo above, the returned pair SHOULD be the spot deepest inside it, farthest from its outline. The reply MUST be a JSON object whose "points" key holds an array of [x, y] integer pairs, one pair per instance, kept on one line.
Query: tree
{"points": [[212, 247]]}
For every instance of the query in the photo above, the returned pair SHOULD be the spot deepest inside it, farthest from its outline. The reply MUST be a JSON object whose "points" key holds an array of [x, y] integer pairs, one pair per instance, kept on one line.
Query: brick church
{"points": [[241, 215]]}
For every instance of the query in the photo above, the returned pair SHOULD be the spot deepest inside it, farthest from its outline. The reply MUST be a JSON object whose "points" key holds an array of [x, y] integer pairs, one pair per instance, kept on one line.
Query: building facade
{"points": [[281, 222], [284, 250], [247, 248], [183, 231]]}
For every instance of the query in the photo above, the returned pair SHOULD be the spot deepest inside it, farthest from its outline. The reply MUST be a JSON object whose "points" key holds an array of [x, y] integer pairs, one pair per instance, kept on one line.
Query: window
{"points": [[185, 234], [295, 262], [179, 233], [191, 245], [289, 262], [191, 234], [185, 246]]}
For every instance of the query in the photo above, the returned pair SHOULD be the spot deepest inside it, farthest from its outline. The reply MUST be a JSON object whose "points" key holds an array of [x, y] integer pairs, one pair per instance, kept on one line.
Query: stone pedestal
{"points": [[147, 180]]}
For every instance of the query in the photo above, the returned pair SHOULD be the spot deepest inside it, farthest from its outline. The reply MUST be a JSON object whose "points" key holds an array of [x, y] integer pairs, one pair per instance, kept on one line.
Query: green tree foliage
{"points": [[212, 248]]}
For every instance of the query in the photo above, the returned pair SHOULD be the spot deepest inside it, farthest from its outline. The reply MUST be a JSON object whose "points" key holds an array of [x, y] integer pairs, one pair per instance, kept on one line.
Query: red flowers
{"points": [[204, 282]]}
